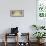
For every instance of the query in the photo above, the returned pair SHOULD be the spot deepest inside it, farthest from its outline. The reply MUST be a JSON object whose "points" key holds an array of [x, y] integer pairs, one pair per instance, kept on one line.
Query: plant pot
{"points": [[40, 41]]}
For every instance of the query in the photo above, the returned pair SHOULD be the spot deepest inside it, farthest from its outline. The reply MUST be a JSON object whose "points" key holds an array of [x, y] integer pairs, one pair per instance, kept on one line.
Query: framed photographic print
{"points": [[17, 13], [41, 8], [41, 12]]}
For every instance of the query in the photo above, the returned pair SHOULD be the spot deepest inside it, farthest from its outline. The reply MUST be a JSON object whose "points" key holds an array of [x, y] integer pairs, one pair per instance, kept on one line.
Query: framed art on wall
{"points": [[41, 12], [17, 13], [41, 8]]}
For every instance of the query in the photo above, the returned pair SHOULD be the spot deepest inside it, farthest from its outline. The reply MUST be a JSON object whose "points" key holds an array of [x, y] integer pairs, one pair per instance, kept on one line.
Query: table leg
{"points": [[5, 40]]}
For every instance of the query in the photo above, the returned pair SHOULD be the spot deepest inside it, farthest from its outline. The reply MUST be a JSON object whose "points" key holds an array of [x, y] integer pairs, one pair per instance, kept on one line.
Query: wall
{"points": [[24, 23]]}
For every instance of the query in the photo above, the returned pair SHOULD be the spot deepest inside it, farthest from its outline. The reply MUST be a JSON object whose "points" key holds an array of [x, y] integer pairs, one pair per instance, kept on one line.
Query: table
{"points": [[9, 34]]}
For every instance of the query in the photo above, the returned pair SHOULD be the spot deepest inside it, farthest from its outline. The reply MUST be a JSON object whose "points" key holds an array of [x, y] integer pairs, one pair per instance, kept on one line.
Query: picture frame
{"points": [[41, 12], [17, 13], [41, 8]]}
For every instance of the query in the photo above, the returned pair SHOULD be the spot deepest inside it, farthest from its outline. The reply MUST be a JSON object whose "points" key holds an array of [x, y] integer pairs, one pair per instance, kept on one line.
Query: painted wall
{"points": [[24, 23]]}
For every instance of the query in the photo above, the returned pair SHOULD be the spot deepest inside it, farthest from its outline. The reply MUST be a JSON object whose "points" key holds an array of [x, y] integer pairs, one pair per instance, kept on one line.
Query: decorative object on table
{"points": [[14, 30], [17, 13]]}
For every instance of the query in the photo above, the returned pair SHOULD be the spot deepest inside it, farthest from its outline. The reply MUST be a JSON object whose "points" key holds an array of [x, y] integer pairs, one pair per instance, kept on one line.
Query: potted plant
{"points": [[38, 27], [42, 27], [39, 35], [35, 26]]}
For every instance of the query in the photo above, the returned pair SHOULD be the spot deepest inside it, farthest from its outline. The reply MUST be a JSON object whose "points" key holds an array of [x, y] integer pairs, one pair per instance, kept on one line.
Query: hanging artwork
{"points": [[41, 12], [41, 8], [17, 13]]}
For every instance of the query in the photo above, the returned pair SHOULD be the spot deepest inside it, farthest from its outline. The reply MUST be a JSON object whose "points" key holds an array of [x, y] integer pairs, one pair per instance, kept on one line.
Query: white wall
{"points": [[24, 23]]}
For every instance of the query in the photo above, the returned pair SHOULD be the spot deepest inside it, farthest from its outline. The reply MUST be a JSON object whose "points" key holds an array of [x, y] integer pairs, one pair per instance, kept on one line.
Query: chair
{"points": [[25, 43]]}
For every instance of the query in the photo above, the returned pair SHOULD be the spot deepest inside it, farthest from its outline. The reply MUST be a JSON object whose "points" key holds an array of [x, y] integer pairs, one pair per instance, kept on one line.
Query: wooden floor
{"points": [[13, 44]]}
